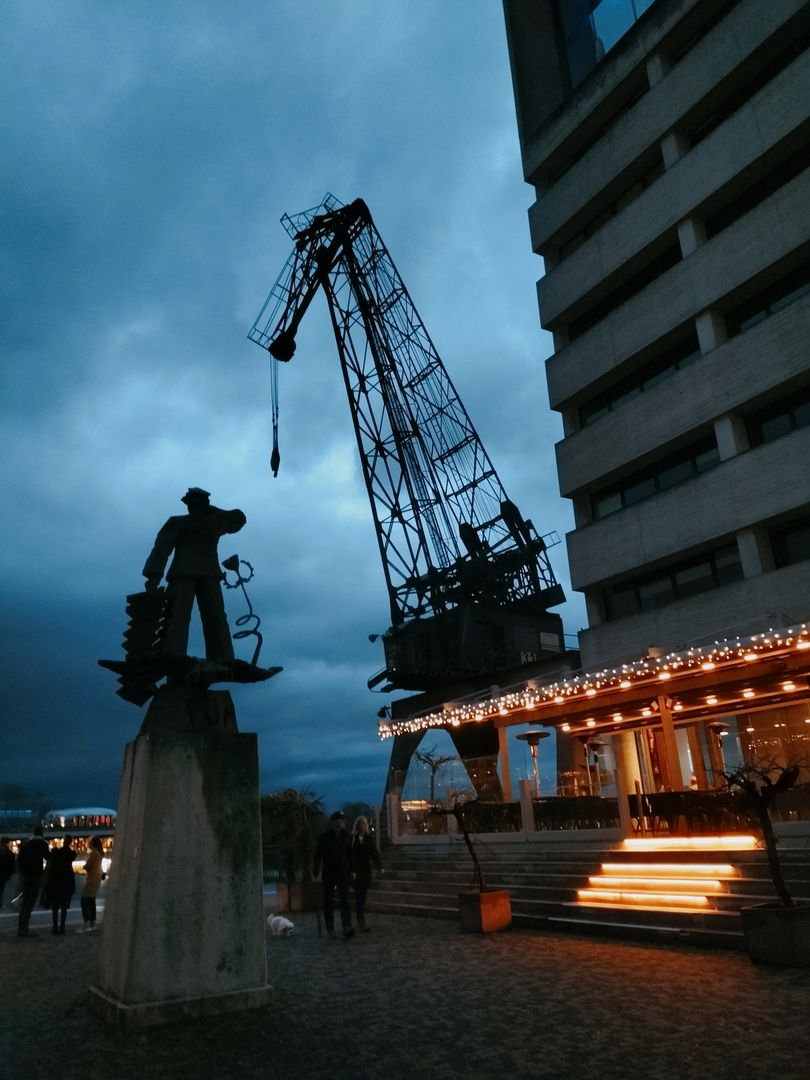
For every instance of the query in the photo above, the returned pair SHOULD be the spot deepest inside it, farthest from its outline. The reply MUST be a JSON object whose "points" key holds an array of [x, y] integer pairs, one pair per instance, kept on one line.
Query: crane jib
{"points": [[448, 535]]}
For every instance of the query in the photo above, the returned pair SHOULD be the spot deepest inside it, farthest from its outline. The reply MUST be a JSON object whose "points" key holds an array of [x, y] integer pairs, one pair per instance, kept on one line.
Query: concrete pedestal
{"points": [[183, 930]]}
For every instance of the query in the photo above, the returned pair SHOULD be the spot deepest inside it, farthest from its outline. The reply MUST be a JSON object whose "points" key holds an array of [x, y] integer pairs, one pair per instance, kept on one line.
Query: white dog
{"points": [[279, 926]]}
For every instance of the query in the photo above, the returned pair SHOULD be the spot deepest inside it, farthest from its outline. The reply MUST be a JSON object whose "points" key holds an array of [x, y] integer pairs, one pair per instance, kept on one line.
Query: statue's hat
{"points": [[195, 495]]}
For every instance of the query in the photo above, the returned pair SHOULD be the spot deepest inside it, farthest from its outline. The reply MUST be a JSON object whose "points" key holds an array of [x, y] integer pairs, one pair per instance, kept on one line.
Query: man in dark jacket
{"points": [[334, 854], [30, 865]]}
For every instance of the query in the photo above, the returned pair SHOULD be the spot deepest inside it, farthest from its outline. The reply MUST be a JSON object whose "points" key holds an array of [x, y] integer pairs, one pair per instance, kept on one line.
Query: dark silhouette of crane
{"points": [[469, 580]]}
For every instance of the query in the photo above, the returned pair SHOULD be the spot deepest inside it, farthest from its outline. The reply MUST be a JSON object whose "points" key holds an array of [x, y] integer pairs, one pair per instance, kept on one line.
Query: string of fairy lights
{"points": [[533, 696]]}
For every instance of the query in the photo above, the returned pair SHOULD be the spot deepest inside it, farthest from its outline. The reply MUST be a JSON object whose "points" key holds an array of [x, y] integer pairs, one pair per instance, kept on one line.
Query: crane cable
{"points": [[275, 457]]}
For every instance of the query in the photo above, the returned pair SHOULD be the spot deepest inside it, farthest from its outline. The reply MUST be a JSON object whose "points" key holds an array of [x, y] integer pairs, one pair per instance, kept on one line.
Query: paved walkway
{"points": [[416, 999]]}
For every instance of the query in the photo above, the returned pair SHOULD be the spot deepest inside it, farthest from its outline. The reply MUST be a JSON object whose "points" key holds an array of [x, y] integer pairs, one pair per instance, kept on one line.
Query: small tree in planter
{"points": [[482, 911], [777, 932], [290, 820]]}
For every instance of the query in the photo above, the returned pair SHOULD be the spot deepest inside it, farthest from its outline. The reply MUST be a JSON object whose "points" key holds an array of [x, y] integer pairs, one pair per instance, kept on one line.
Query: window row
{"points": [[774, 298], [644, 378], [591, 28], [781, 418], [615, 207], [657, 590], [663, 475], [791, 543]]}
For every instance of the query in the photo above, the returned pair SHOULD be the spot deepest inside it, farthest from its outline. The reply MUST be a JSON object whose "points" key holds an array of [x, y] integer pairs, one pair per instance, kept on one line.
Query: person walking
{"points": [[93, 874], [8, 864], [61, 883], [30, 866], [364, 853], [334, 854]]}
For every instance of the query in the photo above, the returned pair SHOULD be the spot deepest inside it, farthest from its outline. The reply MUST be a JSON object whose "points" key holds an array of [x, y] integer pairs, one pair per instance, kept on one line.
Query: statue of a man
{"points": [[194, 573]]}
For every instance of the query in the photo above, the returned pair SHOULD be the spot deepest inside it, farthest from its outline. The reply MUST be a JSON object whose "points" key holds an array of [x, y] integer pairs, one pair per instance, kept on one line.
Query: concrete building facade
{"points": [[668, 145]]}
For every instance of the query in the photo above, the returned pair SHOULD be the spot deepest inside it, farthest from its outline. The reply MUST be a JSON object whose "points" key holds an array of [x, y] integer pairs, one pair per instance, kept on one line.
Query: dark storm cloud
{"points": [[149, 153]]}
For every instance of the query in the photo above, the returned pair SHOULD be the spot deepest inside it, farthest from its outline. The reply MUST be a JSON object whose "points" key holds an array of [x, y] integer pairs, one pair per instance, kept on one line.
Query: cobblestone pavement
{"points": [[416, 999]]}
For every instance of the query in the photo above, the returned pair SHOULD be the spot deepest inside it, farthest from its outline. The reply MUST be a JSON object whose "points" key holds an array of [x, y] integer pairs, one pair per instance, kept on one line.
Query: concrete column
{"points": [[526, 806], [711, 330], [561, 338], [716, 758], [503, 757], [570, 419], [670, 759], [756, 552], [593, 604], [583, 512], [698, 764], [393, 817], [551, 258], [657, 67], [627, 772], [732, 435], [691, 234], [673, 147]]}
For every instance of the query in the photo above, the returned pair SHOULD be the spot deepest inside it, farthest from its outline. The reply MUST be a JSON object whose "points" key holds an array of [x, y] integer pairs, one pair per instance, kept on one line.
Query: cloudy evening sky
{"points": [[149, 152]]}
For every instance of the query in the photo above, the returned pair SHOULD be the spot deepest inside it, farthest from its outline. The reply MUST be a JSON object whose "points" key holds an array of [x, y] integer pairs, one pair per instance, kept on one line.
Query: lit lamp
{"points": [[533, 738], [592, 745]]}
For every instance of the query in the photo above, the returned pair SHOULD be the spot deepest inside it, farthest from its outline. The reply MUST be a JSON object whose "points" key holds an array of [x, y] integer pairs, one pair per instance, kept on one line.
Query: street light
{"points": [[533, 738]]}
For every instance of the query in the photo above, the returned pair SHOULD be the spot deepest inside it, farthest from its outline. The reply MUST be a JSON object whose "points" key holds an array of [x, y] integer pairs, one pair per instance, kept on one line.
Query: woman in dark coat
{"points": [[364, 853], [61, 882]]}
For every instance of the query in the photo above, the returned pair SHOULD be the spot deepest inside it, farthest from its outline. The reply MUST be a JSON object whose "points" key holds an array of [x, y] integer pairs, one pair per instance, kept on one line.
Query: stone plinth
{"points": [[183, 931]]}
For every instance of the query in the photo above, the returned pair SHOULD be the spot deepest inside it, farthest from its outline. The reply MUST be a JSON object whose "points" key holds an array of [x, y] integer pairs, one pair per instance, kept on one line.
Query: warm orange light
{"points": [[750, 656], [625, 684], [803, 644], [664, 675], [590, 692], [565, 727], [711, 700], [654, 882], [646, 712], [618, 898], [708, 666], [672, 870], [731, 841], [749, 693], [788, 686], [590, 723]]}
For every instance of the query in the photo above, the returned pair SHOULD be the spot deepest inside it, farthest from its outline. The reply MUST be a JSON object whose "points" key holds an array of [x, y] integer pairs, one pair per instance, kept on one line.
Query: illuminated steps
{"points": [[661, 886], [545, 876]]}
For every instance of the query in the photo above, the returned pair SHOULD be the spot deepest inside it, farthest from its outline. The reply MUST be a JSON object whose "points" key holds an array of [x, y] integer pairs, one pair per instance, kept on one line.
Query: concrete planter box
{"points": [[300, 896], [778, 935], [483, 913]]}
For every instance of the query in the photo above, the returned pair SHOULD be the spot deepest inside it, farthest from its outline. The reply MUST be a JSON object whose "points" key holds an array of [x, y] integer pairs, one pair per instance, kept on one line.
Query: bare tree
{"points": [[434, 763], [762, 780]]}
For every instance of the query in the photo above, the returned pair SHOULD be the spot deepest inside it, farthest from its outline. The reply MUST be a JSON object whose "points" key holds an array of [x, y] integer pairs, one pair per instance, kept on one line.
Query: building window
{"points": [[626, 291], [644, 378], [591, 28], [628, 196], [769, 301], [663, 475], [781, 418], [791, 543], [759, 191], [664, 587]]}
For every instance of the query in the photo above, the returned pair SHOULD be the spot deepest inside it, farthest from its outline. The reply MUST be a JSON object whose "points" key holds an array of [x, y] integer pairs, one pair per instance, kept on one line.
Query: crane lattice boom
{"points": [[448, 535]]}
